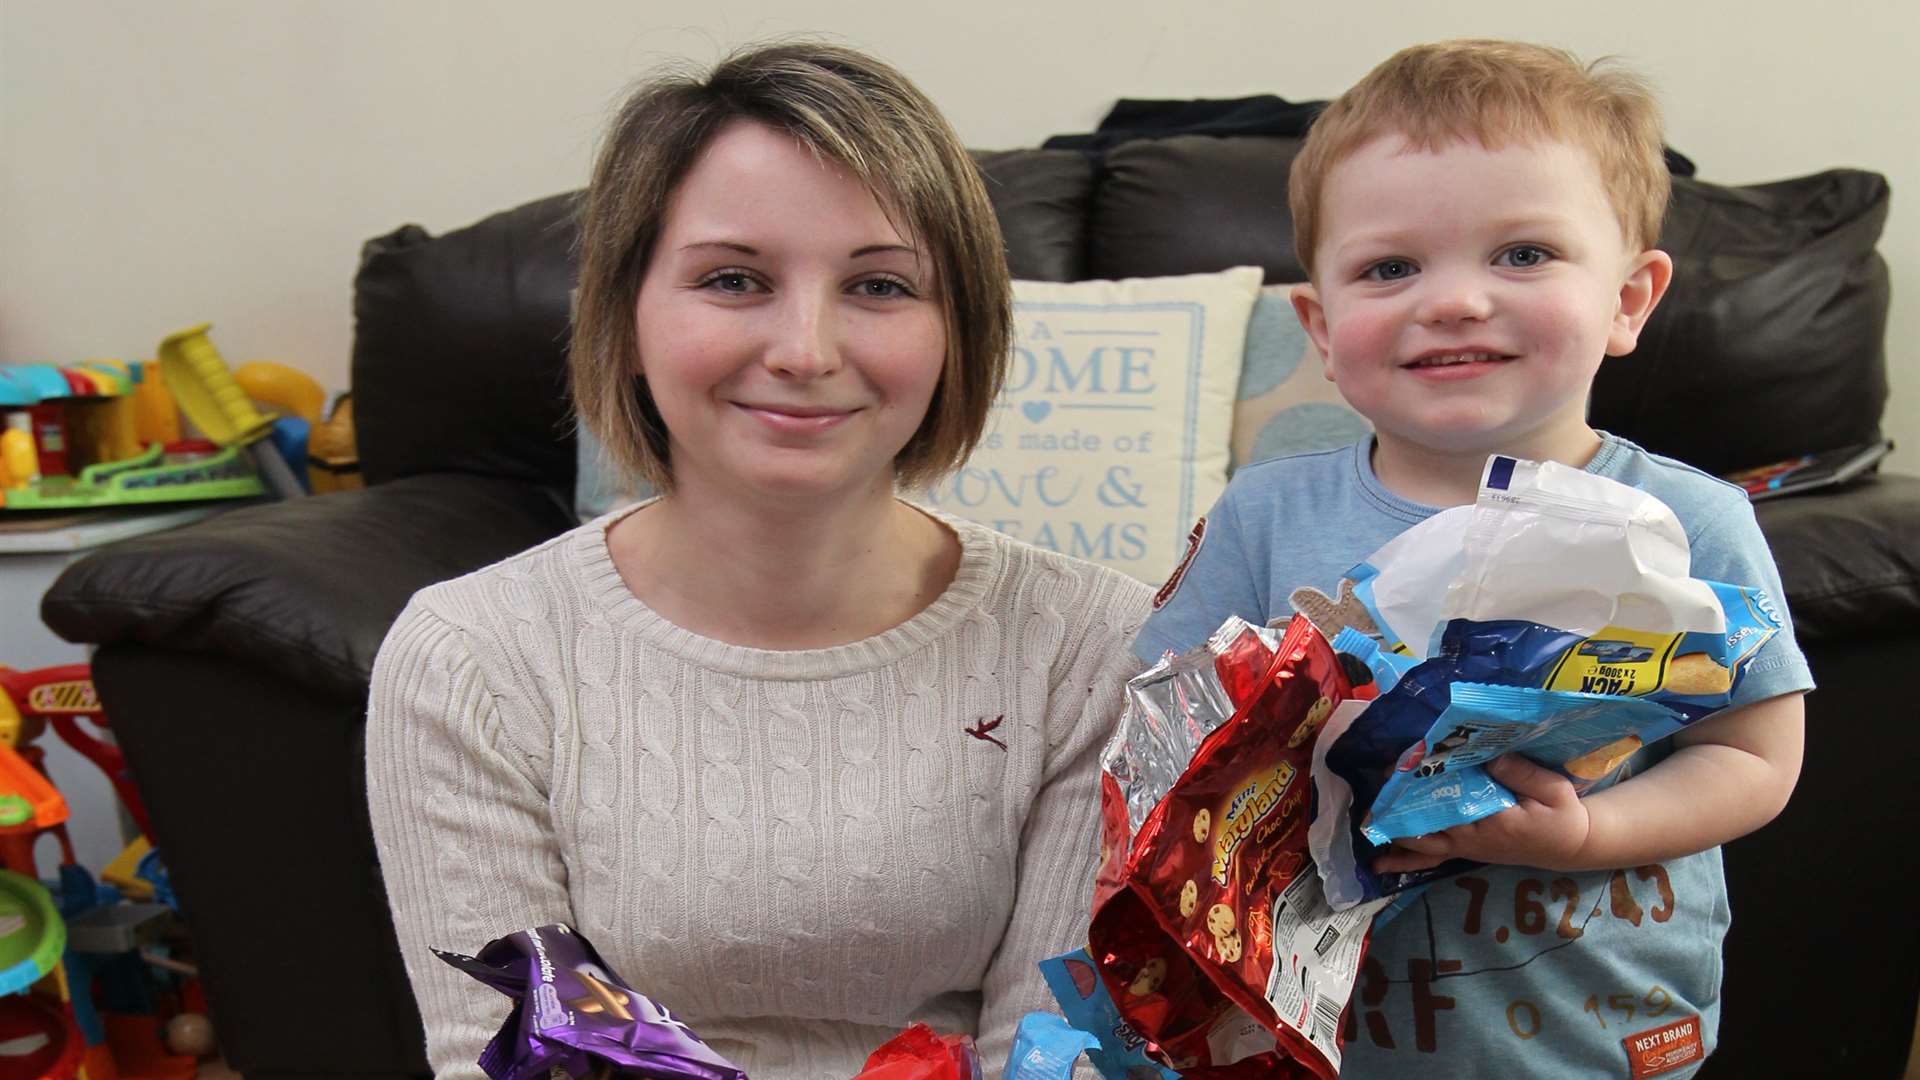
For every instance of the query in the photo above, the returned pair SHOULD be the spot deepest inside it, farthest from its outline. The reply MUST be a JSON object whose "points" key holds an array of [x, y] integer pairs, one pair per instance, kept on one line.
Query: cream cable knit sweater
{"points": [[799, 853]]}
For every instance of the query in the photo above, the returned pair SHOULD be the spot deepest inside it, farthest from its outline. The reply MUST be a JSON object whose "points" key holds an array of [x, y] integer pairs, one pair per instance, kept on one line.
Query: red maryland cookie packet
{"points": [[1210, 928]]}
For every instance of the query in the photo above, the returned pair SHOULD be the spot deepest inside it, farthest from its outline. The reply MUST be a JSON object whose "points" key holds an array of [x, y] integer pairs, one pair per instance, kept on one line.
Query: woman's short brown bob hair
{"points": [[849, 109]]}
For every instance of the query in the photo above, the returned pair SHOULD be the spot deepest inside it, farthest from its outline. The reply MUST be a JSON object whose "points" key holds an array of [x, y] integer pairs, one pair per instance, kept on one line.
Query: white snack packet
{"points": [[1568, 549]]}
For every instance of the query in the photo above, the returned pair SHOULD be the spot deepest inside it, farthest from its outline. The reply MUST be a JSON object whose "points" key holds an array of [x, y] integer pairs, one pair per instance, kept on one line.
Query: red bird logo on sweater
{"points": [[982, 730]]}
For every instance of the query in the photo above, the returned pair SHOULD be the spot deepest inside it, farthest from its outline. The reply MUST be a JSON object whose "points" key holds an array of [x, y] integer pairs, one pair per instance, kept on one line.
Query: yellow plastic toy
{"points": [[123, 872], [206, 390], [290, 390], [156, 419], [17, 452]]}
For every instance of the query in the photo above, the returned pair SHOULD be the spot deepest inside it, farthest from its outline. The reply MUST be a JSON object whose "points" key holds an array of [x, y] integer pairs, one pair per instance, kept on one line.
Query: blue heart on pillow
{"points": [[1036, 410]]}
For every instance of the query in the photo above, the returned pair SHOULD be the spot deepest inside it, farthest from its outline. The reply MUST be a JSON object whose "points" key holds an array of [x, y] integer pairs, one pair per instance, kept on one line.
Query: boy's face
{"points": [[1464, 298]]}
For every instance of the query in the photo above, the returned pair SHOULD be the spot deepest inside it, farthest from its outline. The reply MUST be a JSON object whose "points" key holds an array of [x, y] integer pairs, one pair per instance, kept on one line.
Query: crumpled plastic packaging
{"points": [[1210, 932], [1045, 1048], [919, 1053], [572, 1019], [1568, 599]]}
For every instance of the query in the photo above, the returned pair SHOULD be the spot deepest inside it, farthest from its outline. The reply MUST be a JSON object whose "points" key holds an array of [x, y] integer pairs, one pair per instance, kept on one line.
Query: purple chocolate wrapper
{"points": [[571, 1013]]}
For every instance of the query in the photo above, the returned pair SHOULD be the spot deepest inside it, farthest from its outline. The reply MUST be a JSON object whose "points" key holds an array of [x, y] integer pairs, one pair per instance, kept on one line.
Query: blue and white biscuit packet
{"points": [[1383, 666], [1687, 675], [1045, 1048], [1443, 782]]}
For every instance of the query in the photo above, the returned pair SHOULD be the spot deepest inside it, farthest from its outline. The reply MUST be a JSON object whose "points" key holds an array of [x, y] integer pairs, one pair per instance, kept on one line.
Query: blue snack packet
{"points": [[1690, 674], [1045, 1048], [1443, 781], [1085, 1002], [1384, 666]]}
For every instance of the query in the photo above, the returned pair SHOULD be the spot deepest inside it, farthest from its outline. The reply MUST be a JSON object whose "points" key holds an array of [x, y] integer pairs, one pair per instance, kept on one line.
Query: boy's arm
{"points": [[1215, 579], [1729, 774]]}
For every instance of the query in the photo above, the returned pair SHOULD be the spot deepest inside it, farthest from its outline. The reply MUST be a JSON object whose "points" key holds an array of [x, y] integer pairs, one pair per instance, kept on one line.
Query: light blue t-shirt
{"points": [[1501, 971]]}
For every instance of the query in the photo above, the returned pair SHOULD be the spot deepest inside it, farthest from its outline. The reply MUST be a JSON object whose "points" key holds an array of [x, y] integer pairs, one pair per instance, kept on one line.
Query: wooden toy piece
{"points": [[190, 1033]]}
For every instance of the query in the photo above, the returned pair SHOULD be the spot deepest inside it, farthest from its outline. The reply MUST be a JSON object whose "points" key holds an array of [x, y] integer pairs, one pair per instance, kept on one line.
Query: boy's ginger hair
{"points": [[1495, 93]]}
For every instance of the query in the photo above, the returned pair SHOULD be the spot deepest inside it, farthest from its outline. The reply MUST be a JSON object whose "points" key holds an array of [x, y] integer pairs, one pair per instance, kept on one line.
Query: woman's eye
{"points": [[730, 281], [883, 288], [1390, 270], [1524, 255]]}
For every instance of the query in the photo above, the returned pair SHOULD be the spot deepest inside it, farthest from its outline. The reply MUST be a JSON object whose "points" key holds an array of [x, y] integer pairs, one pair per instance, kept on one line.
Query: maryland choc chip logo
{"points": [[1172, 586]]}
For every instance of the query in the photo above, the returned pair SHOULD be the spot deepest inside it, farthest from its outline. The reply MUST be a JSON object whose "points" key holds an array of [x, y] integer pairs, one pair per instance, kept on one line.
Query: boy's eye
{"points": [[1524, 256], [1390, 270]]}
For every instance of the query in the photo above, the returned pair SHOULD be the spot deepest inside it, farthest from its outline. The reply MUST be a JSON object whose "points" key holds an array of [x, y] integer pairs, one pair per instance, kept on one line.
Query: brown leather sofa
{"points": [[234, 655]]}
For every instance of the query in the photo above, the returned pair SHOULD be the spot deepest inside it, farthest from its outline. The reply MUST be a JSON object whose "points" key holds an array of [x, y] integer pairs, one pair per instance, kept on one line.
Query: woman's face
{"points": [[790, 335]]}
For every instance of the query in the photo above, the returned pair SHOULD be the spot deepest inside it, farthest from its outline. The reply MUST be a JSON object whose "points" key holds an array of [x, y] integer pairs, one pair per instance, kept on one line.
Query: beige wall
{"points": [[166, 163]]}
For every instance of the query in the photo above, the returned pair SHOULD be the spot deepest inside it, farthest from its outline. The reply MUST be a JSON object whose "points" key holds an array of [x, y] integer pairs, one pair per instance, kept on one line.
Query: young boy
{"points": [[1477, 220]]}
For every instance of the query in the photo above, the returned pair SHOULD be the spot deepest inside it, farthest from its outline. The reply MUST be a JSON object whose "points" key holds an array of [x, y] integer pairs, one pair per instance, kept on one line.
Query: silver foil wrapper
{"points": [[1170, 709]]}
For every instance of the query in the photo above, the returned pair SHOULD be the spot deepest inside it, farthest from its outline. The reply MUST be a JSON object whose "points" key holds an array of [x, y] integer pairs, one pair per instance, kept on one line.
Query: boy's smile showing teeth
{"points": [[1454, 361]]}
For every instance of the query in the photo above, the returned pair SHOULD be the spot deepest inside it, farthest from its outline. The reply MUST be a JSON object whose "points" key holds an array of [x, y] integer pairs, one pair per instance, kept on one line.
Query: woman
{"points": [[806, 762]]}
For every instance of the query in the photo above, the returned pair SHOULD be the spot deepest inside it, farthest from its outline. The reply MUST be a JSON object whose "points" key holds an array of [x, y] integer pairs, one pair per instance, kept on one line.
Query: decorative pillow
{"points": [[1111, 435], [1286, 404]]}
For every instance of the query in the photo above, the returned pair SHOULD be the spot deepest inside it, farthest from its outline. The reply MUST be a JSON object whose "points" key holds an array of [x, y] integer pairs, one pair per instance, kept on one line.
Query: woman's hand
{"points": [[1547, 828]]}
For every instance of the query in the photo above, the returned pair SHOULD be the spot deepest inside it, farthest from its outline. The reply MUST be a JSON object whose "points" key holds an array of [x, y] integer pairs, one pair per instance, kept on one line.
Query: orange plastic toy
{"points": [[62, 696]]}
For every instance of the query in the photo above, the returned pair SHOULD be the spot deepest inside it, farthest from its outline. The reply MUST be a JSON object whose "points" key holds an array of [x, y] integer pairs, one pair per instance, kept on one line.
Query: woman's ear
{"points": [[1313, 319], [1646, 282]]}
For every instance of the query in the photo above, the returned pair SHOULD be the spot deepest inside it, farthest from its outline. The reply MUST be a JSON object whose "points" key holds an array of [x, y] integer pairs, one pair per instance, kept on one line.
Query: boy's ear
{"points": [[1313, 319], [1647, 279]]}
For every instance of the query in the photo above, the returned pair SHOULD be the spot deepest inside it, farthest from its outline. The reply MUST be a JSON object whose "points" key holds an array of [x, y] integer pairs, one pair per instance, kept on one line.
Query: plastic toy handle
{"points": [[290, 390], [111, 761], [205, 389]]}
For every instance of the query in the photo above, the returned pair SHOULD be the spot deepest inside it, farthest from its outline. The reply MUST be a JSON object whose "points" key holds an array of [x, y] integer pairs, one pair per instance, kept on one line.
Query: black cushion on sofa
{"points": [[1192, 204], [307, 589], [1849, 559], [459, 348], [1771, 342], [1041, 198]]}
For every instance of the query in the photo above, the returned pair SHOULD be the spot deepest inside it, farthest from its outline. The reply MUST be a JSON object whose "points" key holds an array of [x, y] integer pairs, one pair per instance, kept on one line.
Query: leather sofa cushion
{"points": [[1041, 198], [303, 589], [459, 348], [1193, 204], [1771, 342], [1849, 559]]}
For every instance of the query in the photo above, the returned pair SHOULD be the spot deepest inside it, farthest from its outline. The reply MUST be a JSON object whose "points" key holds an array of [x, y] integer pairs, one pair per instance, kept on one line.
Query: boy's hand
{"points": [[1547, 828]]}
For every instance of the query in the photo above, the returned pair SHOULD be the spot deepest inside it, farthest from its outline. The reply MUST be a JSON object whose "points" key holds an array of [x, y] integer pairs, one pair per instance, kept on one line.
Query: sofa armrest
{"points": [[304, 589], [1849, 559]]}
